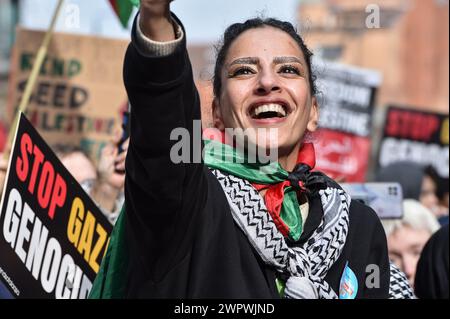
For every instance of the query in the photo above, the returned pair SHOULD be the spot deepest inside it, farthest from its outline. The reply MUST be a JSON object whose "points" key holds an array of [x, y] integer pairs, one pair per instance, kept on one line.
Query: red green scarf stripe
{"points": [[280, 198]]}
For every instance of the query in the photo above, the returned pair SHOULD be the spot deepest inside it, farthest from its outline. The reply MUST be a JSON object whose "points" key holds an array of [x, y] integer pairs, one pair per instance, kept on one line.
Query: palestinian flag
{"points": [[111, 281], [123, 9]]}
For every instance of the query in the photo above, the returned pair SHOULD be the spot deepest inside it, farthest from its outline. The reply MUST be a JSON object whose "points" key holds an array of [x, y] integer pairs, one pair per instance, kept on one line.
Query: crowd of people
{"points": [[104, 181], [425, 212]]}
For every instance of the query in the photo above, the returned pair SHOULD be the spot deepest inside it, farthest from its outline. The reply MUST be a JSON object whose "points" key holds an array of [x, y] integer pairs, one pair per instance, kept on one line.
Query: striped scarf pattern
{"points": [[306, 266]]}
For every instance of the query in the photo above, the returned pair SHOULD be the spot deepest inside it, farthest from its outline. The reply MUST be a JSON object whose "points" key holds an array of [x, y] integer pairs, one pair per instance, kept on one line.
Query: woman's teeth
{"points": [[269, 110]]}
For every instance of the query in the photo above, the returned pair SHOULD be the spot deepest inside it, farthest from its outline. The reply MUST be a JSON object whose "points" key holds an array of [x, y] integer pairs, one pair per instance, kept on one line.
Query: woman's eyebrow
{"points": [[276, 60], [246, 60], [286, 59]]}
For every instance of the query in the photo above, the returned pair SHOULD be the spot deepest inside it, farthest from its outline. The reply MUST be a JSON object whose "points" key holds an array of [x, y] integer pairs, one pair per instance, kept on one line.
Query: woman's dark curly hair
{"points": [[236, 29]]}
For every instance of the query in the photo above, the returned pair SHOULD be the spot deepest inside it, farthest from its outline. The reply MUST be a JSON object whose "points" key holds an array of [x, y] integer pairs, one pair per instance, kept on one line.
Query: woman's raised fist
{"points": [[155, 20]]}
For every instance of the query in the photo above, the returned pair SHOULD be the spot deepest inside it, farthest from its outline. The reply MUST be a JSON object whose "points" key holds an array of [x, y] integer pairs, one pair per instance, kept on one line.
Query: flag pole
{"points": [[25, 100]]}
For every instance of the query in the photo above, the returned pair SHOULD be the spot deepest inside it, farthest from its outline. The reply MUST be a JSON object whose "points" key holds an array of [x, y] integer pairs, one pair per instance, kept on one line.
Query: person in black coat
{"points": [[432, 281], [217, 227]]}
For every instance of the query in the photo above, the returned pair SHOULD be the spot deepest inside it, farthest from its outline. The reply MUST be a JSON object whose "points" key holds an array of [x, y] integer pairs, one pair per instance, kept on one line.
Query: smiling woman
{"points": [[273, 89], [229, 227]]}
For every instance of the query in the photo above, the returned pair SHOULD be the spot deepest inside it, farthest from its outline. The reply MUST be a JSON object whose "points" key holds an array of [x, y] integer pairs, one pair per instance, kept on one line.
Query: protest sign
{"points": [[79, 94], [346, 104], [52, 235], [417, 136]]}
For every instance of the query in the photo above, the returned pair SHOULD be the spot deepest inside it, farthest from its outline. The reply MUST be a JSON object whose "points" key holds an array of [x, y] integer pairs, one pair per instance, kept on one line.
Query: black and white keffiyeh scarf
{"points": [[305, 266], [399, 287]]}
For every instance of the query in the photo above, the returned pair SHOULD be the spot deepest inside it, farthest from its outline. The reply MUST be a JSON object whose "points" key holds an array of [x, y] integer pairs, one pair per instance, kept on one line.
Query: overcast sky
{"points": [[205, 20]]}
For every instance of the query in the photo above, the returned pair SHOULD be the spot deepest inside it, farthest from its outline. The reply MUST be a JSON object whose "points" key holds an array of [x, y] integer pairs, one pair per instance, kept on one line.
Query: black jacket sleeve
{"points": [[163, 198], [432, 278]]}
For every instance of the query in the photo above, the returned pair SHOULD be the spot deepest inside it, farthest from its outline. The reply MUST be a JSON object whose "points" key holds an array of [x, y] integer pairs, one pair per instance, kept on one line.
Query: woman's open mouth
{"points": [[269, 112]]}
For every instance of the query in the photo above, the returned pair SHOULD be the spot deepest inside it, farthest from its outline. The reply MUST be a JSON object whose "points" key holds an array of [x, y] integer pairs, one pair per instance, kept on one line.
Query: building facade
{"points": [[406, 40]]}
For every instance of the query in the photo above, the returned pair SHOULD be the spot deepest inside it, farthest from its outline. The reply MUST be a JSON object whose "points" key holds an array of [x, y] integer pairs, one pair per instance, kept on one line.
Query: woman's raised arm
{"points": [[163, 197]]}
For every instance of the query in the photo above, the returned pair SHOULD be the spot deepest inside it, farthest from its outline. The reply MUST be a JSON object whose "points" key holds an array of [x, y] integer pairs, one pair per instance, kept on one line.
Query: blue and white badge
{"points": [[349, 284]]}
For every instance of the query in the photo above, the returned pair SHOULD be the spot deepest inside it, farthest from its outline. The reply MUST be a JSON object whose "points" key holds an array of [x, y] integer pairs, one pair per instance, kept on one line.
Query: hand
{"points": [[155, 21], [156, 8]]}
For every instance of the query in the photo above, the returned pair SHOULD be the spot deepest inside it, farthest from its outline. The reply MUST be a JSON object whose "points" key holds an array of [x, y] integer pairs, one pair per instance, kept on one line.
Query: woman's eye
{"points": [[290, 69], [242, 71]]}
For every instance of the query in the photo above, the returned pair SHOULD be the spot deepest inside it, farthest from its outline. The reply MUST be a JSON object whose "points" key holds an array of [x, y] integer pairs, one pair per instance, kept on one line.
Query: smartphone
{"points": [[125, 128], [386, 199], [125, 133]]}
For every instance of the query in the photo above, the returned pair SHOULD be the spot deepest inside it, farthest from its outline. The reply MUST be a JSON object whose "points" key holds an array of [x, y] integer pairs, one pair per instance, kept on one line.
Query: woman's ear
{"points": [[217, 115], [313, 116]]}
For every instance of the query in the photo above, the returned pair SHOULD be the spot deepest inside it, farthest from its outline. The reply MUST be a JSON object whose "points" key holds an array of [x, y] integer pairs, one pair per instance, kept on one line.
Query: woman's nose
{"points": [[267, 82]]}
